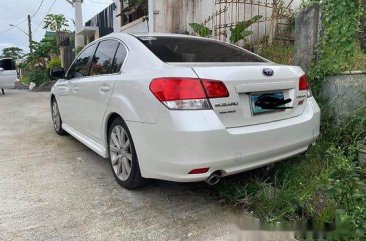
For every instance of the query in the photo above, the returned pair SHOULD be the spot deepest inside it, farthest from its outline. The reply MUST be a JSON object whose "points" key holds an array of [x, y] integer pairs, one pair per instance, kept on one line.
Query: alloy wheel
{"points": [[56, 118], [120, 152]]}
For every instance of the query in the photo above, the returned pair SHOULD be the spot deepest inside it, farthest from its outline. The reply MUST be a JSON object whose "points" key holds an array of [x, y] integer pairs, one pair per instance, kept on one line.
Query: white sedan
{"points": [[8, 74], [182, 108]]}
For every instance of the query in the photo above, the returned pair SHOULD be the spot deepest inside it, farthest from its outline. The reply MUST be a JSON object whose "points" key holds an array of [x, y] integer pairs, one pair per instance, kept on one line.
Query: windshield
{"points": [[181, 49]]}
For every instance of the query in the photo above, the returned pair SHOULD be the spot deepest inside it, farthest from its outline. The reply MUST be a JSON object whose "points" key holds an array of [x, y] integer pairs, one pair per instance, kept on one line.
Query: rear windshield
{"points": [[178, 50]]}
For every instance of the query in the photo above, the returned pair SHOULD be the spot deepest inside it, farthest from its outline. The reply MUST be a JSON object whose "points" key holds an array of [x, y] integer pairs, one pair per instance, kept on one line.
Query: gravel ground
{"points": [[55, 188]]}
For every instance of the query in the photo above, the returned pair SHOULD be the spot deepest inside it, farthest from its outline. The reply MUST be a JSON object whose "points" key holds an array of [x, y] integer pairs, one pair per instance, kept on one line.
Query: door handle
{"points": [[104, 89]]}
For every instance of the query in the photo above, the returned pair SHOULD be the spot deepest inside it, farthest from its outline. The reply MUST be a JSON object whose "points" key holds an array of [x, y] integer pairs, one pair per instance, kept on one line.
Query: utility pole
{"points": [[151, 15], [30, 34], [79, 39]]}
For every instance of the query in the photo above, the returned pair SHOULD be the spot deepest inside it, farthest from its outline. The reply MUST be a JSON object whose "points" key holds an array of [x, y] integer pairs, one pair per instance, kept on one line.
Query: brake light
{"points": [[215, 89], [187, 93], [304, 84]]}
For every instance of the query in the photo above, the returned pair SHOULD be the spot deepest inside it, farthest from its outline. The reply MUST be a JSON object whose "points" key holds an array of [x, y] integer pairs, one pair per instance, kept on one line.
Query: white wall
{"points": [[173, 16], [138, 26]]}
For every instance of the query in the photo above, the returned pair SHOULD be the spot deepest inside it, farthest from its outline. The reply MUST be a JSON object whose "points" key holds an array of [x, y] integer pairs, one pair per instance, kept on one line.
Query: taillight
{"points": [[215, 89], [304, 84], [187, 93]]}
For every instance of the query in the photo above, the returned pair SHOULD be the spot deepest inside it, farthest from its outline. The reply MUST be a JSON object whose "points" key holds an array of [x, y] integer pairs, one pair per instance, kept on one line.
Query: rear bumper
{"points": [[182, 141]]}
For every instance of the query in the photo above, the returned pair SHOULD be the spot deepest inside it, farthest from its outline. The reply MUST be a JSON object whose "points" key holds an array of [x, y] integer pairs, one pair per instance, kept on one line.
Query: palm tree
{"points": [[55, 22]]}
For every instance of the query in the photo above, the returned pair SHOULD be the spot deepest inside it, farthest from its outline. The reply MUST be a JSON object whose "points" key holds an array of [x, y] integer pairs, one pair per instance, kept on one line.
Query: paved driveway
{"points": [[55, 188]]}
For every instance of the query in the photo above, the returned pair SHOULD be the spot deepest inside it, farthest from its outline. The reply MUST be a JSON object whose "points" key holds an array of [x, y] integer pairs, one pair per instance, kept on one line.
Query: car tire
{"points": [[123, 157], [56, 119]]}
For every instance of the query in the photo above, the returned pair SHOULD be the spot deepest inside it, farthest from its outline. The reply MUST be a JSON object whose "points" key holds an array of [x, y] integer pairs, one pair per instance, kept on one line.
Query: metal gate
{"points": [[273, 26]]}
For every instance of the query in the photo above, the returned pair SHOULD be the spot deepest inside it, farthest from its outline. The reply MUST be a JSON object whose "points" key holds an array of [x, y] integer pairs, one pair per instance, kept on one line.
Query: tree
{"points": [[201, 30], [55, 22], [240, 32], [13, 52], [139, 3], [42, 52]]}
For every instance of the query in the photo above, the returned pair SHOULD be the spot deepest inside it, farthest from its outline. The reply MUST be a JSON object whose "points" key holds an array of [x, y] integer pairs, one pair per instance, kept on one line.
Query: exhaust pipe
{"points": [[213, 179]]}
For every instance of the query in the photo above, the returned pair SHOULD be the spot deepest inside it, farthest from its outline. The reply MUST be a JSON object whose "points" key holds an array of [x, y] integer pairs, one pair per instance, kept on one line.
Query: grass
{"points": [[360, 62], [281, 54], [25, 80], [324, 185]]}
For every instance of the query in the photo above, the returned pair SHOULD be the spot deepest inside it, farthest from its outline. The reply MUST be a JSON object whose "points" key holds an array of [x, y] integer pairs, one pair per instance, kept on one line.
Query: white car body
{"points": [[8, 73], [171, 143]]}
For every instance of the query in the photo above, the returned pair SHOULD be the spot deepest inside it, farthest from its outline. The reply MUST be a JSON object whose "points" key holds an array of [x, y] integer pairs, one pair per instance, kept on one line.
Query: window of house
{"points": [[7, 64], [185, 49], [81, 65], [119, 58], [103, 58], [129, 15]]}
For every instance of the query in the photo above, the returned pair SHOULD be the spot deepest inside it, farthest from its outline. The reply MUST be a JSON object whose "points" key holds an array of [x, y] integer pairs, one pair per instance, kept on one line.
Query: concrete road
{"points": [[55, 188]]}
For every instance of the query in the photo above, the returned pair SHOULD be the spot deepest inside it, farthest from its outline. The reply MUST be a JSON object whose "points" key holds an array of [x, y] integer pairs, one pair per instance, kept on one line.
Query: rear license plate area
{"points": [[256, 110]]}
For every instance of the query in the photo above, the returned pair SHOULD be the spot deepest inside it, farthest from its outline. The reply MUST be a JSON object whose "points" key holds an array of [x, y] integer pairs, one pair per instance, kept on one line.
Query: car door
{"points": [[8, 73], [68, 89], [96, 90]]}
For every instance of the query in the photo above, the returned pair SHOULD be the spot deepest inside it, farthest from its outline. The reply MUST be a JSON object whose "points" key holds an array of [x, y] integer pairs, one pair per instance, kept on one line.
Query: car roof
{"points": [[162, 35], [137, 35], [6, 58]]}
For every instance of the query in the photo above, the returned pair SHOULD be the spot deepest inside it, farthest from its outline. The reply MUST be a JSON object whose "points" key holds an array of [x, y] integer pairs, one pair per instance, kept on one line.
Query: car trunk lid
{"points": [[247, 84]]}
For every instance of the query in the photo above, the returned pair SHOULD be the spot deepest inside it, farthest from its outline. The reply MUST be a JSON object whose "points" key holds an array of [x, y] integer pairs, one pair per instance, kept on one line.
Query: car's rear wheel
{"points": [[122, 155], [56, 118]]}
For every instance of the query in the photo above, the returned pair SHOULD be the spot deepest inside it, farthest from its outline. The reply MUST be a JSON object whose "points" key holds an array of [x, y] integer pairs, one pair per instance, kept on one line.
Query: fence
{"points": [[275, 24]]}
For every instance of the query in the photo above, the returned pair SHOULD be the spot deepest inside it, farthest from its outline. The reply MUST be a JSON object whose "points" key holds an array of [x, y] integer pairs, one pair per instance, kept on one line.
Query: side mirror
{"points": [[57, 73], [1, 69]]}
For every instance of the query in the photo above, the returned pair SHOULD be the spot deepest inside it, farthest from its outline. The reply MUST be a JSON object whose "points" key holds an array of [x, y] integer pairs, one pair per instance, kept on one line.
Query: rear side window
{"points": [[103, 59], [81, 65], [181, 49], [119, 58], [7, 64]]}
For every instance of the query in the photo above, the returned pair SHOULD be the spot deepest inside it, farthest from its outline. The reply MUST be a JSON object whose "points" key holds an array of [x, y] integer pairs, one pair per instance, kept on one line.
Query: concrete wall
{"points": [[173, 16], [138, 26], [306, 36], [344, 92]]}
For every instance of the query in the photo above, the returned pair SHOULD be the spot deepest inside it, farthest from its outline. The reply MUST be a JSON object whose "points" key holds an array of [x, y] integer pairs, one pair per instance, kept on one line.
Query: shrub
{"points": [[38, 76], [54, 63]]}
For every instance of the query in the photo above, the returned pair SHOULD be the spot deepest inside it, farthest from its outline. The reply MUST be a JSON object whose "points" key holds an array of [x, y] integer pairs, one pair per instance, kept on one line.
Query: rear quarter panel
{"points": [[132, 98]]}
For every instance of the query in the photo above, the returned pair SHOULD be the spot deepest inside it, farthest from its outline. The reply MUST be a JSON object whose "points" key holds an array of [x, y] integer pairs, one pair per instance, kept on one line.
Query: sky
{"points": [[16, 11]]}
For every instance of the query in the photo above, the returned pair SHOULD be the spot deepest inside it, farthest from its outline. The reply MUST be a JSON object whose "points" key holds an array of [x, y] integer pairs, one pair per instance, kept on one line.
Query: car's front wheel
{"points": [[122, 155], [56, 118]]}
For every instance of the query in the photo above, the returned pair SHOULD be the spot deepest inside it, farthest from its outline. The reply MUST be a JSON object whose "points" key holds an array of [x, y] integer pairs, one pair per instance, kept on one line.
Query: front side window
{"points": [[7, 64], [185, 49], [103, 58], [80, 68]]}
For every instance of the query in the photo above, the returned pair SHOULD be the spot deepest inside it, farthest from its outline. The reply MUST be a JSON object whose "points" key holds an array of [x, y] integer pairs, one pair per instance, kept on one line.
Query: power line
{"points": [[16, 25], [49, 10], [39, 7], [24, 20], [98, 2]]}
